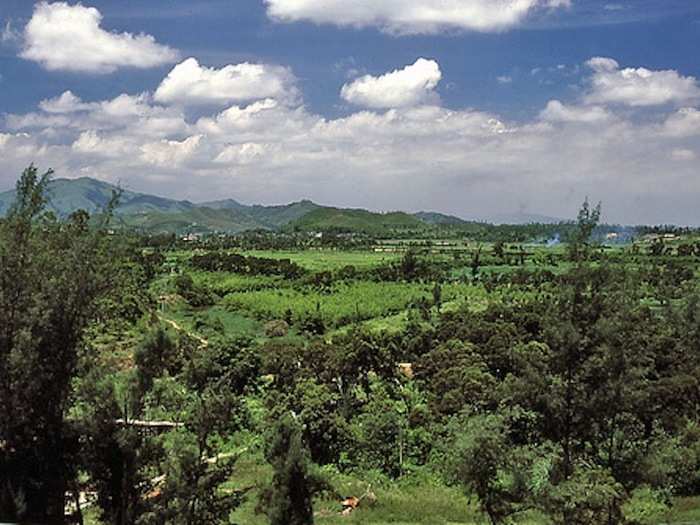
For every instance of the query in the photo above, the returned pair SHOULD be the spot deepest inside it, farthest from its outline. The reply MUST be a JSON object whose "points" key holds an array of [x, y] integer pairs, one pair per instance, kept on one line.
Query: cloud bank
{"points": [[411, 16], [401, 149]]}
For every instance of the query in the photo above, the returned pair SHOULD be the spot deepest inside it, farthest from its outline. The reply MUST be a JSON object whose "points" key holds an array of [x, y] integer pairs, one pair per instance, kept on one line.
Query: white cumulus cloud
{"points": [[170, 153], [638, 86], [189, 83], [67, 37], [412, 85], [67, 102], [558, 112], [411, 16], [683, 123]]}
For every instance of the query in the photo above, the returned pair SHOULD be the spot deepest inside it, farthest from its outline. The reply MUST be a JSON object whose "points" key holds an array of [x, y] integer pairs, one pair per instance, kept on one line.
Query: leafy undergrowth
{"points": [[684, 511], [405, 502], [395, 502]]}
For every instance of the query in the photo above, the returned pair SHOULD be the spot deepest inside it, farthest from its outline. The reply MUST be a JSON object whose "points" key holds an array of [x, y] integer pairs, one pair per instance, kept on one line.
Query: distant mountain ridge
{"points": [[268, 216], [155, 214], [159, 214]]}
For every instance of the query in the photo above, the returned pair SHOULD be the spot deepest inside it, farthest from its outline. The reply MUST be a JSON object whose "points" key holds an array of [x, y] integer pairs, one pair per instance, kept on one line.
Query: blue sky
{"points": [[508, 110]]}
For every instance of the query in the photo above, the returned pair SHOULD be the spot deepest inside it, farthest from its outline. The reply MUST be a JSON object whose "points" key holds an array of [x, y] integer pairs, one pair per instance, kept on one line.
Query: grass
{"points": [[405, 502], [684, 511], [396, 502], [214, 320], [419, 504]]}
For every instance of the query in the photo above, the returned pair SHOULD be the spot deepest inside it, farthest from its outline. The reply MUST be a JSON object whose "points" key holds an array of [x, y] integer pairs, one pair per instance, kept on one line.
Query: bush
{"points": [[645, 507], [591, 496], [276, 328], [195, 295]]}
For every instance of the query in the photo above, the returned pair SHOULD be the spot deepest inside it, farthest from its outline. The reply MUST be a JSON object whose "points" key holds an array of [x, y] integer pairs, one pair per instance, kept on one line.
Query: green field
{"points": [[320, 260]]}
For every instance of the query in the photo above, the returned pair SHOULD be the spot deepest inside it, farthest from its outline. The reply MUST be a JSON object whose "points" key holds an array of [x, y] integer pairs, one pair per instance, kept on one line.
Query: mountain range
{"points": [[154, 214]]}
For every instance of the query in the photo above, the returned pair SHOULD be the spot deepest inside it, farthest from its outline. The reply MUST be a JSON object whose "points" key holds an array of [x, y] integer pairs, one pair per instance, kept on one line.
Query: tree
{"points": [[437, 296], [409, 265], [156, 354], [455, 376], [476, 262], [196, 295], [586, 222], [51, 274], [194, 470], [590, 496], [499, 250], [487, 464], [172, 472], [114, 455], [289, 499]]}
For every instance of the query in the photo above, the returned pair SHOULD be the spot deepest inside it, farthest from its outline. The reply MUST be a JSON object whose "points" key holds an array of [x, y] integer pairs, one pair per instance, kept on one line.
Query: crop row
{"points": [[344, 303]]}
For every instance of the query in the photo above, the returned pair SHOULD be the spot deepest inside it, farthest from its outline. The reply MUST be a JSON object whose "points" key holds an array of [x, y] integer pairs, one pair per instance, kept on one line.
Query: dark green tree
{"points": [[51, 274], [586, 222], [289, 501], [489, 465], [437, 296]]}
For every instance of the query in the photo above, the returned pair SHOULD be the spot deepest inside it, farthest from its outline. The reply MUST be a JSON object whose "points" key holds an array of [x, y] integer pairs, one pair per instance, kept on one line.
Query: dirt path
{"points": [[203, 342]]}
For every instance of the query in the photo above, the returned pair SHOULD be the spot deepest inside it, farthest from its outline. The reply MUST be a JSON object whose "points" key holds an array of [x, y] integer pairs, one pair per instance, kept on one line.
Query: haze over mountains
{"points": [[157, 214]]}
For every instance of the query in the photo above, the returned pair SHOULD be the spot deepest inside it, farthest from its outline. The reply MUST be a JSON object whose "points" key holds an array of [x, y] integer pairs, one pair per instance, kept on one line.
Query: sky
{"points": [[477, 108]]}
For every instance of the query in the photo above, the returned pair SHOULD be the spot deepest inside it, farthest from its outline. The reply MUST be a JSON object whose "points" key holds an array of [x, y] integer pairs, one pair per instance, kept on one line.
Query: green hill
{"points": [[225, 204], [355, 221], [195, 220], [267, 216], [431, 217]]}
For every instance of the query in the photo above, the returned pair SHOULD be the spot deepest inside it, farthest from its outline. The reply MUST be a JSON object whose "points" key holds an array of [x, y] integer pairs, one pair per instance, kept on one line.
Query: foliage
{"points": [[586, 223], [492, 468], [51, 276], [590, 496], [289, 500], [196, 295], [645, 506], [232, 262]]}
